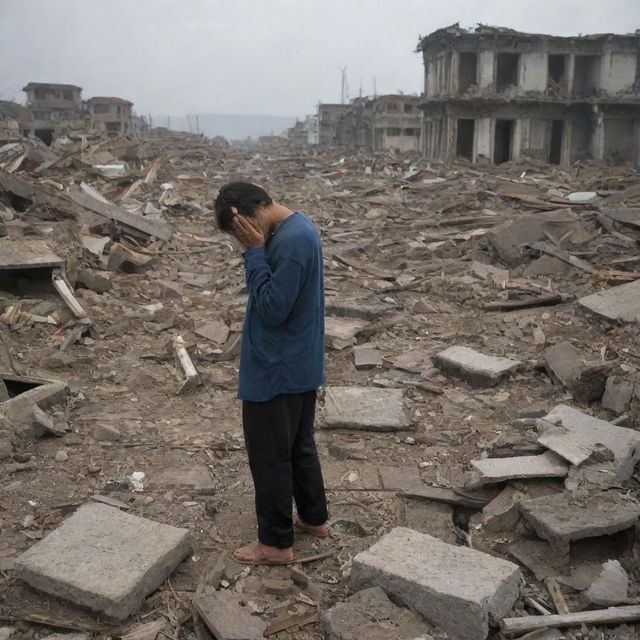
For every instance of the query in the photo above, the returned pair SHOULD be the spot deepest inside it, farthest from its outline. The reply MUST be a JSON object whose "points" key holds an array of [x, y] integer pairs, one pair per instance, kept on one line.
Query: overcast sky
{"points": [[276, 57]]}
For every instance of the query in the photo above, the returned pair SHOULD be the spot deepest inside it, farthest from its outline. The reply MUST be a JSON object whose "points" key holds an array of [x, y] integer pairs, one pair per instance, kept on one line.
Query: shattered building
{"points": [[495, 94], [329, 116], [397, 123], [53, 107], [113, 116]]}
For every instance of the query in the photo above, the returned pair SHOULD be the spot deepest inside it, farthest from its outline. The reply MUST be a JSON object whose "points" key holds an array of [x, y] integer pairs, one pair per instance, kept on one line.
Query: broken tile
{"points": [[227, 619], [366, 357], [610, 588], [214, 330], [104, 559], [619, 392], [341, 333], [618, 303], [365, 408], [546, 465], [429, 575], [477, 369]]}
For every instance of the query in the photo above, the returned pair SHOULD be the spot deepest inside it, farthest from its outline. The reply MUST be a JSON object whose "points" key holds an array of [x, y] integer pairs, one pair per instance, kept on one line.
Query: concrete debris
{"points": [[130, 556], [587, 432], [366, 357], [620, 303], [227, 618], [570, 367], [214, 330], [610, 588], [363, 408], [341, 332], [461, 590], [619, 391], [493, 470], [565, 517], [478, 369], [370, 614]]}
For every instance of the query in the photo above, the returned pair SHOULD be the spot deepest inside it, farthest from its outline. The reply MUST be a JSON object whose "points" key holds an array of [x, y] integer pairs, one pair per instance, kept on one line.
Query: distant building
{"points": [[53, 108], [329, 116], [397, 123], [493, 94], [111, 116]]}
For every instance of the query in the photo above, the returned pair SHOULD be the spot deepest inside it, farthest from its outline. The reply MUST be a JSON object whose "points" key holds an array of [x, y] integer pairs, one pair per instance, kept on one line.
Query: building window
{"points": [[408, 108], [467, 70], [113, 127], [507, 70], [392, 107], [67, 94], [101, 108], [556, 66], [39, 94], [394, 131], [412, 132], [464, 138], [42, 115], [586, 75]]}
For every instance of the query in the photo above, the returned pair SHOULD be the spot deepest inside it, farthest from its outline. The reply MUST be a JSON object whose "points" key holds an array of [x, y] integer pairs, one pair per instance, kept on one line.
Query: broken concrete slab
{"points": [[563, 442], [477, 369], [432, 518], [461, 590], [546, 465], [366, 357], [196, 478], [501, 514], [341, 333], [400, 478], [27, 254], [356, 309], [618, 393], [566, 517], [123, 259], [490, 272], [227, 618], [370, 614], [214, 330], [104, 559], [610, 588], [589, 431], [571, 368], [365, 408], [414, 361], [621, 303]]}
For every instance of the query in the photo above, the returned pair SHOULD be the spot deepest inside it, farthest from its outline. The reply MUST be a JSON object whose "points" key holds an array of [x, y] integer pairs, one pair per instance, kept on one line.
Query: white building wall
{"points": [[486, 65], [617, 72], [533, 71], [483, 138]]}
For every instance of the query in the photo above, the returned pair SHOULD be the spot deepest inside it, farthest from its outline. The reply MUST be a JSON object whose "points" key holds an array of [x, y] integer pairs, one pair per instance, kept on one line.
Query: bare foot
{"points": [[257, 553], [318, 530]]}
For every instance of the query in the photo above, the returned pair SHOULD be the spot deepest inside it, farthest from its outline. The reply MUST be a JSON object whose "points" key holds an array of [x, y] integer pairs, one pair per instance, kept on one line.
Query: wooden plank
{"points": [[557, 596], [524, 303], [289, 622], [27, 254], [612, 615]]}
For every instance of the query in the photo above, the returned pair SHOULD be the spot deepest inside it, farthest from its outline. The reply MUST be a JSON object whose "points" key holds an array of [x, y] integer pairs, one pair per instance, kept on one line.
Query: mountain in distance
{"points": [[231, 126]]}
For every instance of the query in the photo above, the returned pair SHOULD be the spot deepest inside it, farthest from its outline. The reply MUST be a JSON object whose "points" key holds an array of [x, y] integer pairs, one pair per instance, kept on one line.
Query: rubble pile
{"points": [[477, 429]]}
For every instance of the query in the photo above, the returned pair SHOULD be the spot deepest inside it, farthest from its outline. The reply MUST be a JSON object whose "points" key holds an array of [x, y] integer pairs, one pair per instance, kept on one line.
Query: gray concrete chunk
{"points": [[365, 408], [618, 393], [617, 303], [546, 465], [227, 618], [103, 559], [589, 431], [341, 332], [566, 517], [610, 588], [478, 369], [370, 614], [461, 590]]}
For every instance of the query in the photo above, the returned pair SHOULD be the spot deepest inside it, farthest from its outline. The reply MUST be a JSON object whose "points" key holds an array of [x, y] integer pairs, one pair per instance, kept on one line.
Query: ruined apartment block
{"points": [[112, 116], [53, 107], [329, 116], [495, 94], [397, 123]]}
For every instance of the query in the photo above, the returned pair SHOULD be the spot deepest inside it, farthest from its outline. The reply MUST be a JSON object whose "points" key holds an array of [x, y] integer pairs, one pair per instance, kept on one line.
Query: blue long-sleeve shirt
{"points": [[283, 336]]}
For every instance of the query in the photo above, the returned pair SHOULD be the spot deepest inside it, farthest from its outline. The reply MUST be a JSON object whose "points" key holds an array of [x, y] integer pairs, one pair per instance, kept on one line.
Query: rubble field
{"points": [[477, 428]]}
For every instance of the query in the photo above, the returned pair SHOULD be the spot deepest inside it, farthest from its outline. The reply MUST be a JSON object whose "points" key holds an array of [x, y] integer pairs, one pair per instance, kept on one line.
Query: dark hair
{"points": [[244, 196]]}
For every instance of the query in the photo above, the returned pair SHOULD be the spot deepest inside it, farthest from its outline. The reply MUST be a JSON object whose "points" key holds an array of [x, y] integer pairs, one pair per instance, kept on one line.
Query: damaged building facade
{"points": [[494, 94], [112, 116]]}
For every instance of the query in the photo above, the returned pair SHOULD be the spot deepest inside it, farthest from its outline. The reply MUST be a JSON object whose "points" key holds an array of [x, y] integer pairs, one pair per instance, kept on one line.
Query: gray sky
{"points": [[276, 57]]}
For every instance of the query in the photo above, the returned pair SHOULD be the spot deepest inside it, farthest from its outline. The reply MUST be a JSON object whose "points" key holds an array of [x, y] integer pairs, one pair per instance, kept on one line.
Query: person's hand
{"points": [[247, 234]]}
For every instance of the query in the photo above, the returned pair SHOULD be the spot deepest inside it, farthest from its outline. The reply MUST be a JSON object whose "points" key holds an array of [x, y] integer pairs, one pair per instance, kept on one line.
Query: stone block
{"points": [[370, 615], [610, 588], [366, 357], [621, 303], [196, 478], [571, 368], [618, 393], [214, 330], [477, 369], [400, 478], [365, 408], [94, 280], [590, 431], [432, 518], [566, 517], [461, 590], [103, 559], [341, 332], [106, 432], [227, 618], [501, 514], [546, 465]]}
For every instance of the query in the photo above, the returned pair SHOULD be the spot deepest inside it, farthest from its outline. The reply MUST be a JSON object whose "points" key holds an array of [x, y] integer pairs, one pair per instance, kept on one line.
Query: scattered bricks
{"points": [[227, 618], [365, 408], [610, 588], [94, 280], [370, 614], [104, 559], [620, 303], [590, 431], [475, 368], [618, 393], [566, 517], [569, 367], [106, 432], [459, 589], [492, 470], [341, 332]]}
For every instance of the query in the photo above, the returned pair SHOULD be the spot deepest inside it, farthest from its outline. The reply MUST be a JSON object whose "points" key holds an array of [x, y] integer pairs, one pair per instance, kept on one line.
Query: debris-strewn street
{"points": [[477, 429]]}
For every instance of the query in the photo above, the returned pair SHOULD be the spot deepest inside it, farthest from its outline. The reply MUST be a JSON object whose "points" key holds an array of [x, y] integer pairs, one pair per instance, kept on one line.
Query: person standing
{"points": [[281, 366]]}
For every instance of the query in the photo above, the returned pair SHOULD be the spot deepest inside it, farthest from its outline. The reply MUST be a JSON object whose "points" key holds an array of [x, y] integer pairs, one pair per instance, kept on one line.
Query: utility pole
{"points": [[197, 125], [375, 91], [344, 90]]}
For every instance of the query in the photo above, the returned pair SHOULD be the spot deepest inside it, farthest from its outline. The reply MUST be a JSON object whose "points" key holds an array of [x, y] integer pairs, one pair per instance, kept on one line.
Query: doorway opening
{"points": [[555, 144], [507, 70], [503, 141], [467, 70], [464, 138]]}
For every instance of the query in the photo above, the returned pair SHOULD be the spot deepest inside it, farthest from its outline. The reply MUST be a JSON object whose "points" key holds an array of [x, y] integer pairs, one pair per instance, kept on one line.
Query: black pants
{"points": [[284, 464]]}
